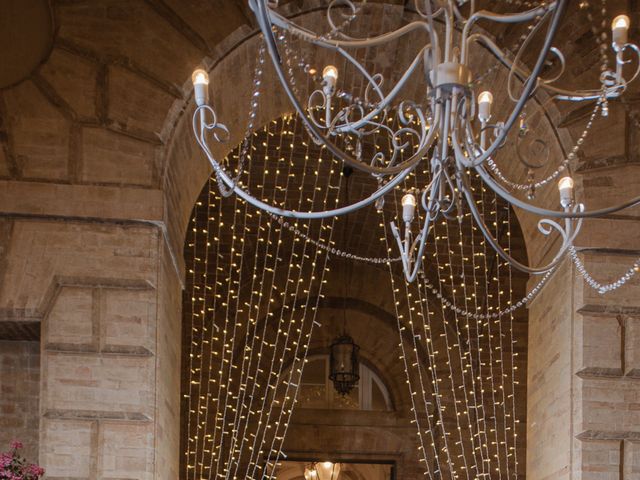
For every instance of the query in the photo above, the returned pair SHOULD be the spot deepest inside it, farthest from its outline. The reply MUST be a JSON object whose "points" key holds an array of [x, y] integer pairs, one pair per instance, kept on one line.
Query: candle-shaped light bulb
{"points": [[330, 71], [565, 187], [408, 207], [620, 30], [485, 99], [330, 77], [200, 80]]}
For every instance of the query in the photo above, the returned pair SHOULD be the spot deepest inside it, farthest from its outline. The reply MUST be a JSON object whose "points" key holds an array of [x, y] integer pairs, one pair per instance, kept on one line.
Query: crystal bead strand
{"points": [[602, 288]]}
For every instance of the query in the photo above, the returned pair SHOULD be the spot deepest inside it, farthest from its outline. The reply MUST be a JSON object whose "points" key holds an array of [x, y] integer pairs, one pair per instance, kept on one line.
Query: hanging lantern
{"points": [[344, 371], [310, 473], [322, 471]]}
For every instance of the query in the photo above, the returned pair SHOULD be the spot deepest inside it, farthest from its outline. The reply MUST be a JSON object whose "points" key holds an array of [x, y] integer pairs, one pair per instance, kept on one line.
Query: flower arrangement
{"points": [[15, 467]]}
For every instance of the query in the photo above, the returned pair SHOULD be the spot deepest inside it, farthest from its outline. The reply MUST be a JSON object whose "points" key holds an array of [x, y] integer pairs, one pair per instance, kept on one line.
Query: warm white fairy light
{"points": [[512, 341], [250, 403], [498, 322], [256, 400], [479, 444], [288, 382], [491, 377], [235, 275], [277, 372], [438, 240], [231, 409], [267, 270], [478, 384], [242, 403], [422, 453], [465, 355]]}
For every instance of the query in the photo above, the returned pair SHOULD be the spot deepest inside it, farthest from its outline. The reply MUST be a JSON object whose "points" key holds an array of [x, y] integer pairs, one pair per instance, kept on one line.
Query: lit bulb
{"points": [[408, 207], [330, 76], [619, 30], [565, 187], [621, 21], [200, 80], [330, 71], [485, 99], [200, 76]]}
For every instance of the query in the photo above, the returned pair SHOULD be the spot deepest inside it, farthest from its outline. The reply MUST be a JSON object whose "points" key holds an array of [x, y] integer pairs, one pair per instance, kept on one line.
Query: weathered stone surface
{"points": [[75, 80], [549, 411], [113, 158], [80, 201], [39, 133], [137, 104], [19, 394]]}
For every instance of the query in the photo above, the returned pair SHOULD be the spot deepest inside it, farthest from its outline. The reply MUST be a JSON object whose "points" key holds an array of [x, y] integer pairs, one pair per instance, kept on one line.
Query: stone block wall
{"points": [[19, 394], [107, 329]]}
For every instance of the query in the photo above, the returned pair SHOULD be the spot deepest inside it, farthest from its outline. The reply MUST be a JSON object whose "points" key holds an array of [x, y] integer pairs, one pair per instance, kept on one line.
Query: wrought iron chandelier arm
{"points": [[311, 37], [504, 18], [427, 15], [411, 268], [567, 236], [559, 93], [384, 100], [614, 89], [497, 188], [448, 33], [613, 83], [527, 90], [412, 260], [200, 129], [262, 13], [337, 152]]}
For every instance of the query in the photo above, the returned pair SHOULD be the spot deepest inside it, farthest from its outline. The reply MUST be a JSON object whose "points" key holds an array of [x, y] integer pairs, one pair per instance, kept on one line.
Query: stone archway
{"points": [[98, 175]]}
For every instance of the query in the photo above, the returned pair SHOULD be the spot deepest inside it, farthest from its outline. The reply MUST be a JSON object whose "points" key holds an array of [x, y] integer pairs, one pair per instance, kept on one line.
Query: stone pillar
{"points": [[584, 354], [107, 295], [19, 392]]}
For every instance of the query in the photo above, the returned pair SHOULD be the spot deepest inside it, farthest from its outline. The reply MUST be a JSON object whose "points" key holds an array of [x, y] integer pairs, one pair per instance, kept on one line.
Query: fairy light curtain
{"points": [[249, 318], [253, 284], [247, 266], [463, 375]]}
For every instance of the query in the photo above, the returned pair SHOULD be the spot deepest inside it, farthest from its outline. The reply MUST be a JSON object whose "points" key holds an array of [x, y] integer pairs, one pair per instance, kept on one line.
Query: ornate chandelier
{"points": [[451, 133]]}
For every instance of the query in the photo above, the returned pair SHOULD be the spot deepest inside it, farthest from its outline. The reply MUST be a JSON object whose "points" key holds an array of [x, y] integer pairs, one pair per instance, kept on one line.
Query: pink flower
{"points": [[5, 460], [16, 444], [35, 470]]}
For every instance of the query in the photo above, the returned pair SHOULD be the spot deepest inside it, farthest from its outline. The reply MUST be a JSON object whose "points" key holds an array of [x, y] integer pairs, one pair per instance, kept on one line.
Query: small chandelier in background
{"points": [[322, 471], [453, 134], [344, 365]]}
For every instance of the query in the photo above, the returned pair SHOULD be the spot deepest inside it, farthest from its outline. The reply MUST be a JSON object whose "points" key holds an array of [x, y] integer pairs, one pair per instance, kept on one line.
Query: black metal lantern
{"points": [[344, 371]]}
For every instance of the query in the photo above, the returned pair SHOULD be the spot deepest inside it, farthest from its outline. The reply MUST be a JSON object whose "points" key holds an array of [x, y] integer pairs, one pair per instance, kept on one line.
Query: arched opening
{"points": [[254, 284]]}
